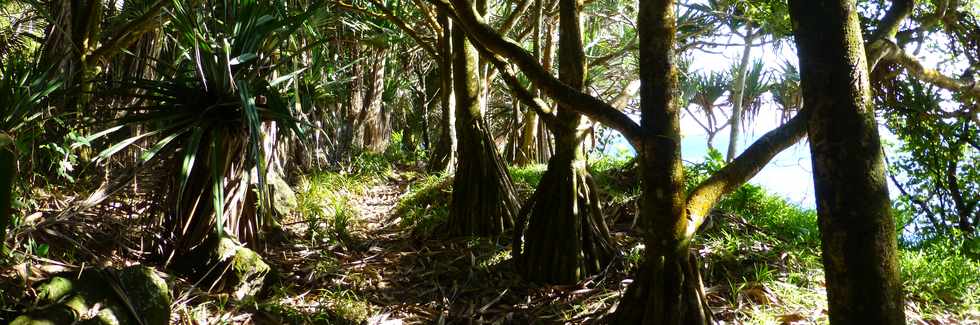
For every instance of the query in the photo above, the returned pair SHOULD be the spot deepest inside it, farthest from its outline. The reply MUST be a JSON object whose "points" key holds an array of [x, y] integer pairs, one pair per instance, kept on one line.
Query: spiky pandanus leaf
{"points": [[786, 91], [205, 113], [23, 88], [757, 83], [7, 169]]}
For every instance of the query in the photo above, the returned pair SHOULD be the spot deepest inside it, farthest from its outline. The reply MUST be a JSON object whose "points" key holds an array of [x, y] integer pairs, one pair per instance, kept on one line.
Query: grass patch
{"points": [[526, 178], [323, 204], [940, 276], [426, 205]]}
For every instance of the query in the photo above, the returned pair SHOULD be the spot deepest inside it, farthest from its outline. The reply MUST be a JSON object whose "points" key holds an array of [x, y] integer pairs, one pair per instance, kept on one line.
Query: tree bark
{"points": [[444, 157], [526, 150], [668, 288], [565, 202], [352, 107], [483, 201], [853, 207], [375, 126]]}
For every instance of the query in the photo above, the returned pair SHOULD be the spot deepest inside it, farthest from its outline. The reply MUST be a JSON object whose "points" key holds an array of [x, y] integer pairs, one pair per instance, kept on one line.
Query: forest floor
{"points": [[383, 274], [366, 249]]}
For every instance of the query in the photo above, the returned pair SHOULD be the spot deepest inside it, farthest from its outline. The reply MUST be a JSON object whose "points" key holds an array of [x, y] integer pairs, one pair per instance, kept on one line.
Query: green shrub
{"points": [[526, 178], [323, 204], [426, 205], [371, 164]]}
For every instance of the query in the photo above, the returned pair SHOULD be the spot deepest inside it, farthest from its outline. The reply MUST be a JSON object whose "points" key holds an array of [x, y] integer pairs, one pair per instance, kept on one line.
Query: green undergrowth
{"points": [[425, 206], [760, 253], [323, 201], [759, 247], [941, 278], [337, 306]]}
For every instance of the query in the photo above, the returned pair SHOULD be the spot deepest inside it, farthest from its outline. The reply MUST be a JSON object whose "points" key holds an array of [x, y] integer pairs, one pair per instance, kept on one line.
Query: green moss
{"points": [[283, 197], [71, 297], [426, 205], [56, 288], [148, 292], [248, 269]]}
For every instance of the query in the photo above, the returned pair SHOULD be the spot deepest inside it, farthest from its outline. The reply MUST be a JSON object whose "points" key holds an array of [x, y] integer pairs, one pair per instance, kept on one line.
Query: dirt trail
{"points": [[377, 203], [386, 275]]}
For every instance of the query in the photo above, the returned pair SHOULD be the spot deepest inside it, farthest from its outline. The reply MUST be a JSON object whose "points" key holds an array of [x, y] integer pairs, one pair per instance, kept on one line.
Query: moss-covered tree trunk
{"points": [[667, 289], [483, 201], [856, 225], [566, 237]]}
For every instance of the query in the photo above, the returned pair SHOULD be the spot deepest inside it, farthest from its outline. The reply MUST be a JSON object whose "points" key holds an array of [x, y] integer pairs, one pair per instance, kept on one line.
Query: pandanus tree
{"points": [[483, 200], [565, 203], [667, 288], [704, 90], [206, 112], [754, 22], [23, 90], [785, 91], [754, 84], [853, 207]]}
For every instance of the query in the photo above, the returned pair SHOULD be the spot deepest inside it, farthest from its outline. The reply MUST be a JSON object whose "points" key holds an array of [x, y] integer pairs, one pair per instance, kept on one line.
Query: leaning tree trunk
{"points": [[525, 152], [853, 207], [667, 289], [738, 101], [566, 238], [483, 201]]}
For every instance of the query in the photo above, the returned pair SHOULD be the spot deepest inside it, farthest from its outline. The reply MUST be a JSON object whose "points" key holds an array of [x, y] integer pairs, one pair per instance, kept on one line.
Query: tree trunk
{"points": [[666, 290], [352, 108], [543, 145], [667, 287], [483, 201], [853, 207], [444, 156], [737, 94], [565, 203], [526, 149], [375, 122]]}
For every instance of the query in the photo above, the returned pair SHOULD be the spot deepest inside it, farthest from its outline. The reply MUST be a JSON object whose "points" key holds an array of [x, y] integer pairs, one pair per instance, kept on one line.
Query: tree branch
{"points": [[742, 168], [512, 19], [404, 27], [898, 12], [522, 94], [915, 68], [478, 30], [429, 18]]}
